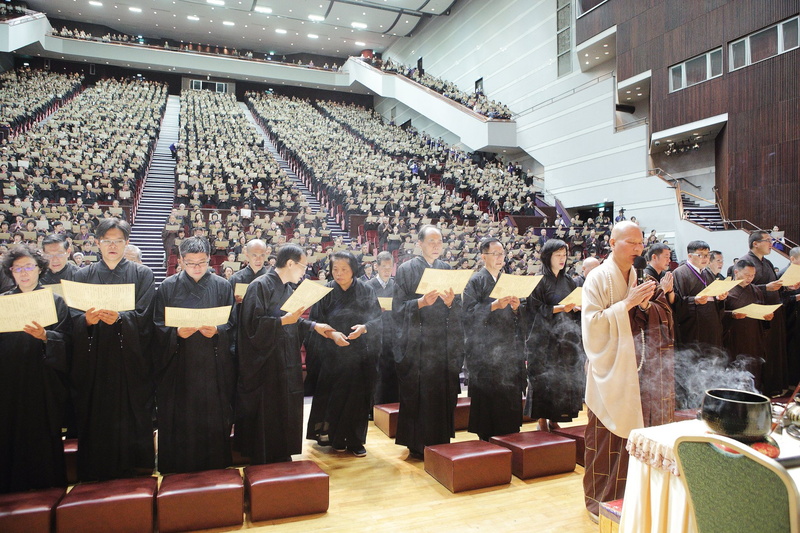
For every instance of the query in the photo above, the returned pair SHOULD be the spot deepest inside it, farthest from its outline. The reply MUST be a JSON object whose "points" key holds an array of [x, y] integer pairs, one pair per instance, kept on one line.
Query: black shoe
{"points": [[323, 440], [339, 447], [414, 454], [358, 451]]}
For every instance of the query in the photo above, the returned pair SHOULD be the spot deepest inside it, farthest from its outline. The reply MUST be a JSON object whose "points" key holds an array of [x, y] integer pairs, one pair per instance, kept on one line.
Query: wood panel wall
{"points": [[758, 152]]}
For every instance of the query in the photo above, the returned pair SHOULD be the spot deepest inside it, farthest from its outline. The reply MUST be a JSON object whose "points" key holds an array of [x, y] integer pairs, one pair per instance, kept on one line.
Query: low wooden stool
{"points": [[281, 490], [538, 453], [200, 500], [468, 465], [29, 512], [461, 415], [385, 418], [126, 503], [71, 460], [609, 516], [575, 433]]}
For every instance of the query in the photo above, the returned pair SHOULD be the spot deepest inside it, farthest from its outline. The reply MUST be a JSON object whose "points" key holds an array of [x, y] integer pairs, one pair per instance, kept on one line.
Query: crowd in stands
{"points": [[83, 164], [8, 11], [477, 101], [27, 96]]}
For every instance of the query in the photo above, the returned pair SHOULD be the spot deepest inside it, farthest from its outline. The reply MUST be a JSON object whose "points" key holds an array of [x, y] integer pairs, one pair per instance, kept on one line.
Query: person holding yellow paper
{"points": [[556, 379], [495, 352], [746, 338], [112, 367], [33, 387], [269, 391], [256, 253], [195, 369], [383, 285], [429, 350]]}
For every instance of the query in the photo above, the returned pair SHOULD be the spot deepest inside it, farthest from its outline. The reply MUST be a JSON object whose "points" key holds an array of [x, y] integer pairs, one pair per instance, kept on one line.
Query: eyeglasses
{"points": [[304, 265], [112, 242], [29, 268], [195, 265], [700, 255]]}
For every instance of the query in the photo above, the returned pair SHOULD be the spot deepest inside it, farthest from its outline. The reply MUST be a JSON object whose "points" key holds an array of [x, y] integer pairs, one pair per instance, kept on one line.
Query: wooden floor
{"points": [[386, 491]]}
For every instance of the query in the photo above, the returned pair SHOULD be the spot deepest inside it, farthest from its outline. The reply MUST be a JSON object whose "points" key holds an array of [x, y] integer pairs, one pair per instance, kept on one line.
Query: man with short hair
{"points": [[195, 369], [112, 370], [627, 336], [256, 252], [269, 391], [658, 258], [383, 285], [715, 264], [429, 348], [57, 250]]}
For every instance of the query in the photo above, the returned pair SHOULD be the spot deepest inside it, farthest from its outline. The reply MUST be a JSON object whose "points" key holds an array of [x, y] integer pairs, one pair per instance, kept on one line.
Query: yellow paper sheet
{"points": [[56, 288], [718, 287], [115, 297], [307, 294], [514, 285], [573, 298], [441, 280], [386, 303], [19, 310], [241, 289], [791, 276], [182, 317], [757, 311]]}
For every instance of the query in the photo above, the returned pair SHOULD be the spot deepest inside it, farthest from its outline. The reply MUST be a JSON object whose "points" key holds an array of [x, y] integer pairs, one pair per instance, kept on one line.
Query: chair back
{"points": [[732, 488]]}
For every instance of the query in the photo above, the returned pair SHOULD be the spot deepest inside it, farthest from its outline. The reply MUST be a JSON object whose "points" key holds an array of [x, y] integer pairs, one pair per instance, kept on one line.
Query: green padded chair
{"points": [[744, 491]]}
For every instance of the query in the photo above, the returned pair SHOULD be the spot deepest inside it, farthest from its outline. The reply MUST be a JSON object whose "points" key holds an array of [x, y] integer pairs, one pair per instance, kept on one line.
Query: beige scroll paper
{"points": [[791, 276], [307, 294], [757, 311], [513, 285], [182, 317], [241, 289], [84, 296], [19, 310], [434, 279], [386, 303], [573, 298], [720, 286], [56, 288]]}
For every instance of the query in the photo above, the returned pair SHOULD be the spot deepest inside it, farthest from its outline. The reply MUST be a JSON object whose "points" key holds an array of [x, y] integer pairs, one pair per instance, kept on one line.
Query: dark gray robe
{"points": [[195, 379], [745, 338], [386, 386], [51, 278]]}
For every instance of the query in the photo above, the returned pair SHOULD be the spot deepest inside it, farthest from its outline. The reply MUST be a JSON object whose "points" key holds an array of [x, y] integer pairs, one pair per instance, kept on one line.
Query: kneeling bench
{"points": [[538, 453], [29, 512], [200, 500], [281, 490], [468, 465], [610, 513], [575, 433], [124, 505], [461, 414], [385, 418]]}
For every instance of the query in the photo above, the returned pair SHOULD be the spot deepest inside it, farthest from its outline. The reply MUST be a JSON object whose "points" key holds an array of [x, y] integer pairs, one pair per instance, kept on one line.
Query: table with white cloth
{"points": [[655, 498]]}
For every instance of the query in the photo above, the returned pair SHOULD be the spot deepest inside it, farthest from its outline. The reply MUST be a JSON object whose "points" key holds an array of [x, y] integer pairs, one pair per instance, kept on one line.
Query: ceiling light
{"points": [[278, 30], [96, 3], [193, 17], [313, 36], [359, 25], [228, 23], [259, 9], [359, 43], [135, 9], [216, 2], [316, 18]]}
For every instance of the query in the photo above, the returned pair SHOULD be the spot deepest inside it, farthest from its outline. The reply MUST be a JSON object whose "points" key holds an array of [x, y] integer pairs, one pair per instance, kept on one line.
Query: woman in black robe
{"points": [[349, 358], [33, 387], [556, 378], [195, 369]]}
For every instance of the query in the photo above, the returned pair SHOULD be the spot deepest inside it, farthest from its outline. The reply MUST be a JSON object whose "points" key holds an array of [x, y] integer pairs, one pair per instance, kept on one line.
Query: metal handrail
{"points": [[565, 94]]}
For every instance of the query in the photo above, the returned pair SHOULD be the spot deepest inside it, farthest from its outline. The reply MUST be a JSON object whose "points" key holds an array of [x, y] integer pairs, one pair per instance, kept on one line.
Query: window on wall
{"points": [[212, 86], [564, 37], [765, 43], [696, 70]]}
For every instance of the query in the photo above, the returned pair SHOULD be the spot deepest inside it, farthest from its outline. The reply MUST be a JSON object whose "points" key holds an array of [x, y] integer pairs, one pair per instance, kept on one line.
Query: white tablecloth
{"points": [[655, 498]]}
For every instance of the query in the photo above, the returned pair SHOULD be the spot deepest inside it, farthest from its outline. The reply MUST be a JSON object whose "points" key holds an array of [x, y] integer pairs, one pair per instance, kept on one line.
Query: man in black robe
{"points": [[791, 307], [269, 391], [429, 350], [658, 258], [698, 319], [194, 368], [383, 285], [57, 250], [256, 253], [112, 370], [745, 338], [495, 351], [776, 367]]}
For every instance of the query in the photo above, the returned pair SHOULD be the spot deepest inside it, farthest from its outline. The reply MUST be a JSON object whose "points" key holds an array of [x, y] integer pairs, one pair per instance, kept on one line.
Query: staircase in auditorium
{"points": [[313, 202], [707, 216], [158, 196]]}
